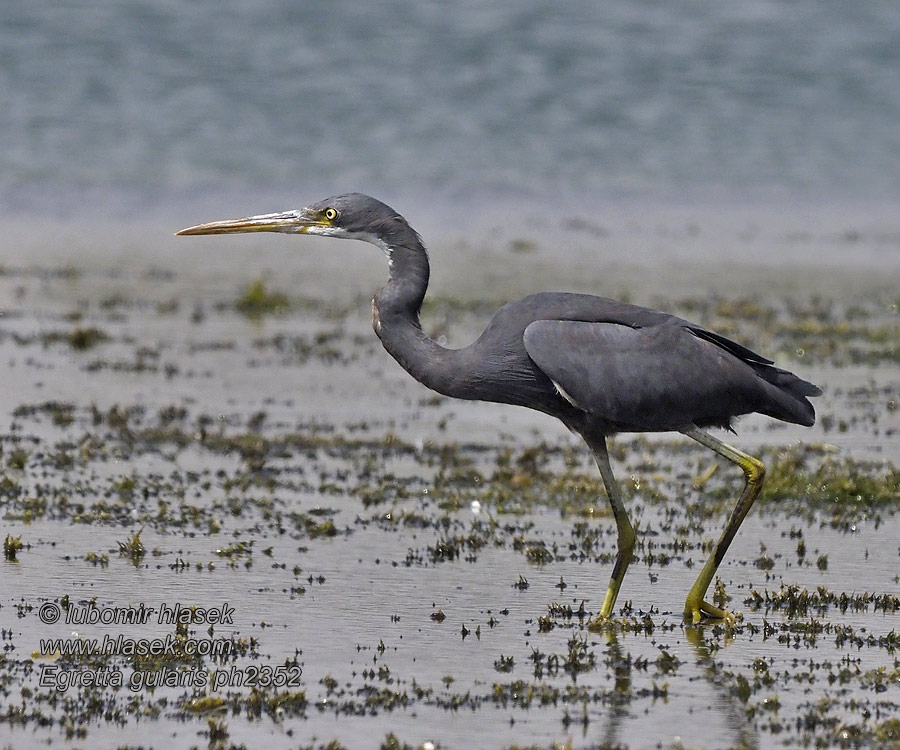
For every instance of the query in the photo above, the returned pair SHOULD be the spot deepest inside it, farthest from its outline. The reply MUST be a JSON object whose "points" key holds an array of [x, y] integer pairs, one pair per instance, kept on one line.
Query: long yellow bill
{"points": [[296, 222]]}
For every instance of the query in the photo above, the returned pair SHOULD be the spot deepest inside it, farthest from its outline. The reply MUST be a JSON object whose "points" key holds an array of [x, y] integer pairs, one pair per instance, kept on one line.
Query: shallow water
{"points": [[284, 464], [399, 97]]}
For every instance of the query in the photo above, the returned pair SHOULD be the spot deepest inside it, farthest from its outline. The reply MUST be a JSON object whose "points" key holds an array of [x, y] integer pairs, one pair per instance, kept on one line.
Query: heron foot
{"points": [[600, 624], [699, 482], [702, 610]]}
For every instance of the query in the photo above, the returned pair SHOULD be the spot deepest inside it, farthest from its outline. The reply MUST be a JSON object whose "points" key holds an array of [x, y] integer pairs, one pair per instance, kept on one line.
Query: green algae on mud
{"points": [[806, 483], [513, 484], [257, 300], [11, 547], [416, 566]]}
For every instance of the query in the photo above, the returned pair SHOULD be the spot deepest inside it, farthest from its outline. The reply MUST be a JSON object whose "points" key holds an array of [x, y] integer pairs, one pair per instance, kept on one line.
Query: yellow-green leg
{"points": [[695, 608], [623, 525]]}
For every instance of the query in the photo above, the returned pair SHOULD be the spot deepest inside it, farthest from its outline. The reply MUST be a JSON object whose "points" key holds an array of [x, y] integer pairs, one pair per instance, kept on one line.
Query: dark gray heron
{"points": [[600, 366]]}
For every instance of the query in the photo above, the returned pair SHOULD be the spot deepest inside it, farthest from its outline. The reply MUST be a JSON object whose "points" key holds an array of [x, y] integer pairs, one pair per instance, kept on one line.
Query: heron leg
{"points": [[754, 472], [625, 530]]}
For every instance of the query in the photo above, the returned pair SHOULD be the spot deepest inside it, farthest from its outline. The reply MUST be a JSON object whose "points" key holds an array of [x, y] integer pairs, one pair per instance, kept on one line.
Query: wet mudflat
{"points": [[267, 533]]}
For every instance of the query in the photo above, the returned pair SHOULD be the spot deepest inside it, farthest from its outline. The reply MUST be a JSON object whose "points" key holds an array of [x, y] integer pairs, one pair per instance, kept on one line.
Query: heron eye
{"points": [[331, 214]]}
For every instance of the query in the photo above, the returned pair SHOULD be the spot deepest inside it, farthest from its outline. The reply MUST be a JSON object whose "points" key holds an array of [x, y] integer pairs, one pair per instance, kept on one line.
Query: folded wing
{"points": [[662, 377]]}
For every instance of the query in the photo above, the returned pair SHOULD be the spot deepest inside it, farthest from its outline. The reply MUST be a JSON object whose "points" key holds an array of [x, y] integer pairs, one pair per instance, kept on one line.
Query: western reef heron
{"points": [[600, 366]]}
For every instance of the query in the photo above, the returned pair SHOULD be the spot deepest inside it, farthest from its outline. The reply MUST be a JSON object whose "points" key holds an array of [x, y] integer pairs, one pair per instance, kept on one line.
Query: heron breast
{"points": [[376, 319]]}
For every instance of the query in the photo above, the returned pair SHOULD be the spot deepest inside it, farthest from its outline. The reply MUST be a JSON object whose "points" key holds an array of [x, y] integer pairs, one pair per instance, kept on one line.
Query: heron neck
{"points": [[403, 294], [395, 316]]}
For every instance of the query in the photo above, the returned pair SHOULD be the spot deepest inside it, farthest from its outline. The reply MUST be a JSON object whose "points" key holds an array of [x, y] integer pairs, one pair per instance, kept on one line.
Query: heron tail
{"points": [[788, 395]]}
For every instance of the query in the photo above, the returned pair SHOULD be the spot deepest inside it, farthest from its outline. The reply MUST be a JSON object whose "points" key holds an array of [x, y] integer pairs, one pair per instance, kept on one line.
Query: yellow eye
{"points": [[331, 214]]}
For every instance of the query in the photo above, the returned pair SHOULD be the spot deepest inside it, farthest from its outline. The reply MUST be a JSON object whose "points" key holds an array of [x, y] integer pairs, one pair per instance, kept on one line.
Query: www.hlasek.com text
{"points": [[170, 646]]}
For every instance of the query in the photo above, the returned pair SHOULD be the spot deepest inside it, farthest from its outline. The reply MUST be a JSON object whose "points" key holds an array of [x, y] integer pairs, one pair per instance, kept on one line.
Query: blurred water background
{"points": [[158, 102]]}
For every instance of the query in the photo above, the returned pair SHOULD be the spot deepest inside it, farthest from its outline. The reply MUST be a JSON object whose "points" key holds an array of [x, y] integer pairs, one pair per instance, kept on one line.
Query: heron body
{"points": [[598, 365]]}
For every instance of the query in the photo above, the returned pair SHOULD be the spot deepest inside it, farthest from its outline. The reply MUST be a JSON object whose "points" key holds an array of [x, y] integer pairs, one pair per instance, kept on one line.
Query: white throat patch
{"points": [[378, 242], [326, 231]]}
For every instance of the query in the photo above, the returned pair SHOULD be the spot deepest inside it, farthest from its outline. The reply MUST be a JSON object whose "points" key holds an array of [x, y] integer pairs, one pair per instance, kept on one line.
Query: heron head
{"points": [[348, 216]]}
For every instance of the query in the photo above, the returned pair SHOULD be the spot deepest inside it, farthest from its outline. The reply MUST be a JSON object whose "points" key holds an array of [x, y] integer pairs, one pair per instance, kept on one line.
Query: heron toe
{"points": [[697, 612]]}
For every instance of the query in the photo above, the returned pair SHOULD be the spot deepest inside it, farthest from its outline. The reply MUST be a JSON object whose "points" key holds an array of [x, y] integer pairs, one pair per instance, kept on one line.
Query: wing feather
{"points": [[657, 378]]}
